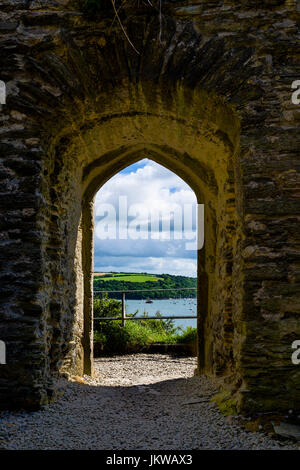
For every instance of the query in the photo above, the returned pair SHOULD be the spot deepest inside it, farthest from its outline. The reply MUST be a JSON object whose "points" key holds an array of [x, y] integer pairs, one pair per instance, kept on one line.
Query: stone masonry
{"points": [[208, 95]]}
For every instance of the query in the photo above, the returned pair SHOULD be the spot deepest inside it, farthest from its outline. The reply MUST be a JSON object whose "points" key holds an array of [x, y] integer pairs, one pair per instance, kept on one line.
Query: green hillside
{"points": [[129, 277], [149, 282]]}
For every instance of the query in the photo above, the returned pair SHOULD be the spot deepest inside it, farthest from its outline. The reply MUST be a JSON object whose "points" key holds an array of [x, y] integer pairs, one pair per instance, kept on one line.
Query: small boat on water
{"points": [[149, 301]]}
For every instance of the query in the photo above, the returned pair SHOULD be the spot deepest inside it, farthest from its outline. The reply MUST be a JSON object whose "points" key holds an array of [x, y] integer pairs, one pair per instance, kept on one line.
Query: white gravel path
{"points": [[141, 401]]}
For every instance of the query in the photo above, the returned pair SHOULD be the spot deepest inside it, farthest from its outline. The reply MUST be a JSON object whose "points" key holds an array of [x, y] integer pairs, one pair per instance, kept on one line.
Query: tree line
{"points": [[168, 281]]}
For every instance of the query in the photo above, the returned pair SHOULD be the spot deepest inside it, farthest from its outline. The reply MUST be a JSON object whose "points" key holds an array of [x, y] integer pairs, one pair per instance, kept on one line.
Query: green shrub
{"points": [[111, 337], [105, 307], [189, 335]]}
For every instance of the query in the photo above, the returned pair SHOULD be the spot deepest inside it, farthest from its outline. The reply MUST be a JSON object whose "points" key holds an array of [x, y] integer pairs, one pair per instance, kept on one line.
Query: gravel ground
{"points": [[141, 401]]}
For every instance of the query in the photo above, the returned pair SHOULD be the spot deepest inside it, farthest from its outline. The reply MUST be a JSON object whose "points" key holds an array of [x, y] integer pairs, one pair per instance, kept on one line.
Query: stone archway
{"points": [[221, 215], [83, 105], [202, 153]]}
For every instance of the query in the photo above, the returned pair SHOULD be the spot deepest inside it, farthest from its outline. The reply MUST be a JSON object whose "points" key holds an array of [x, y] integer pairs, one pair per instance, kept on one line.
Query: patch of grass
{"points": [[226, 404]]}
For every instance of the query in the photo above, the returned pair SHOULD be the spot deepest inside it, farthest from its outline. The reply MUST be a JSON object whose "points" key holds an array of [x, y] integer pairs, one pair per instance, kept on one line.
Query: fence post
{"points": [[123, 309]]}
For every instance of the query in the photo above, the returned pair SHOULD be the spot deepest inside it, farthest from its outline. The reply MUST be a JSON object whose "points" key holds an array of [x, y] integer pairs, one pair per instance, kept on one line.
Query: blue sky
{"points": [[154, 195], [133, 168]]}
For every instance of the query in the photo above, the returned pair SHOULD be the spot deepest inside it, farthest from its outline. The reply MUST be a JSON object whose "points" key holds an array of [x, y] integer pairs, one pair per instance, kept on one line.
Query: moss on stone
{"points": [[226, 403]]}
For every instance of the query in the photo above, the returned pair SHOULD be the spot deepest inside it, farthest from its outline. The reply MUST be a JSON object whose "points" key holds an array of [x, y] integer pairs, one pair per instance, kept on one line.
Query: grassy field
{"points": [[156, 286], [130, 277]]}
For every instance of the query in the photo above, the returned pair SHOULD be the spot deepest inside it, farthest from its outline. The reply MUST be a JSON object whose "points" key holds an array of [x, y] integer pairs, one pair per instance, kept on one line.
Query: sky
{"points": [[145, 221]]}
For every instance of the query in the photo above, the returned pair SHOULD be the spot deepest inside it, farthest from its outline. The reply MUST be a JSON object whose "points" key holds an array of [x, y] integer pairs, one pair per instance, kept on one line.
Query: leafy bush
{"points": [[164, 326], [105, 307], [111, 337], [188, 335]]}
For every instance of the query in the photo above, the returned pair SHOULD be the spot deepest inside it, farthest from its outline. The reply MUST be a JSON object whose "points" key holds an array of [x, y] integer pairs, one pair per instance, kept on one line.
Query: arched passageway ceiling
{"points": [[194, 134], [102, 169]]}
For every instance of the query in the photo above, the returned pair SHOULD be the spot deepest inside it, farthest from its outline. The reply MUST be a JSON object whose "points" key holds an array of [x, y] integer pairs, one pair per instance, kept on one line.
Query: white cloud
{"points": [[161, 192], [151, 265]]}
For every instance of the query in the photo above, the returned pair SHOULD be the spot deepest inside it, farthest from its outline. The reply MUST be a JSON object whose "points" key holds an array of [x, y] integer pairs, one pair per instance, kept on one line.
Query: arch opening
{"points": [[215, 261], [145, 225]]}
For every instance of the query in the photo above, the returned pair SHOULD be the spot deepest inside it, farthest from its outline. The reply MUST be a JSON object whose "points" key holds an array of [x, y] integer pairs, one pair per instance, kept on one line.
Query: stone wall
{"points": [[209, 96]]}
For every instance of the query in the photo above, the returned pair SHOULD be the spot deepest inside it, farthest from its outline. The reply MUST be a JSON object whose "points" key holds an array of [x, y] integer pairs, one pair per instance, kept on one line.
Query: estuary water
{"points": [[166, 307]]}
